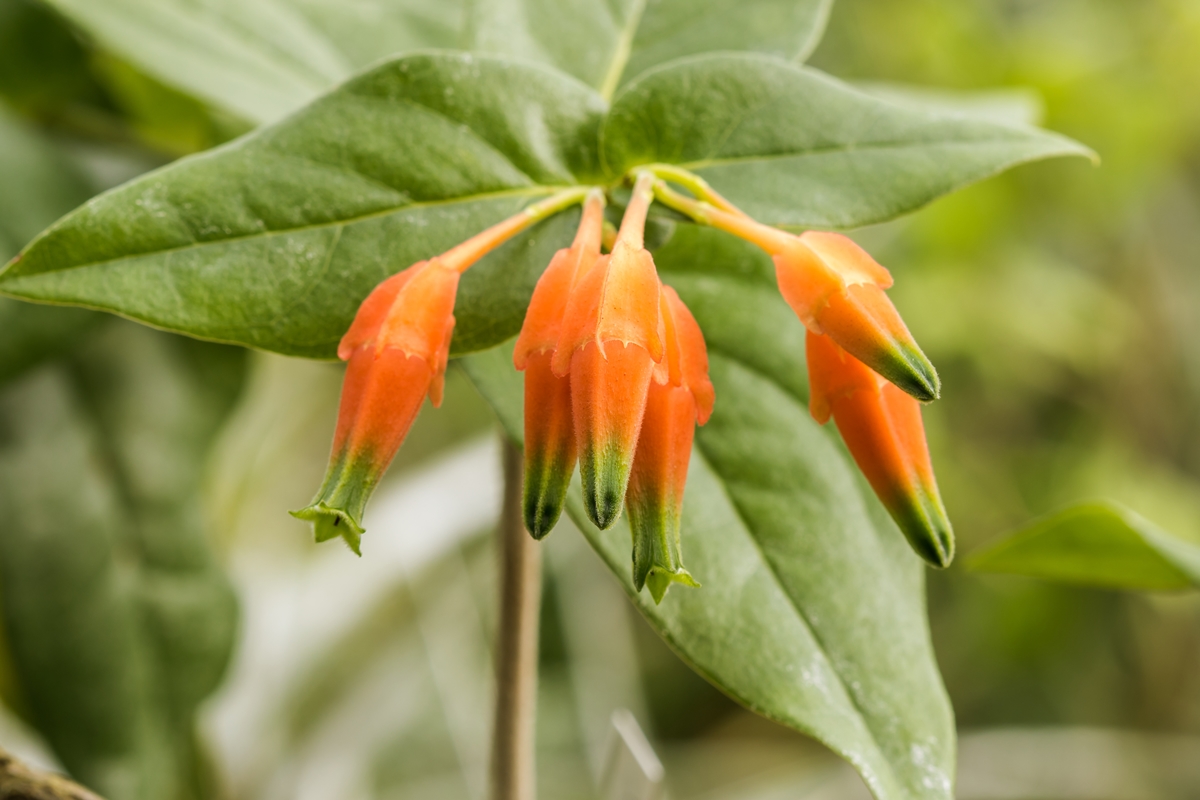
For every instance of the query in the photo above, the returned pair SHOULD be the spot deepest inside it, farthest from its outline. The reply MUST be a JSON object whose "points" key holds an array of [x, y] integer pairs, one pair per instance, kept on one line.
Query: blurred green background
{"points": [[1060, 302]]}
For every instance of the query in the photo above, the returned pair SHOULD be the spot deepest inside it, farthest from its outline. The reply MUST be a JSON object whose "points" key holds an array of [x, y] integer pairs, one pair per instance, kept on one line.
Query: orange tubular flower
{"points": [[397, 347], [882, 427], [680, 397], [550, 451], [609, 344], [834, 287]]}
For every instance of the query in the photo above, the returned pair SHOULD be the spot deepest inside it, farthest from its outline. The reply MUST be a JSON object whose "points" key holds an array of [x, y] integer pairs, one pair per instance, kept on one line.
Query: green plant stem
{"points": [[693, 183], [739, 224], [513, 774]]}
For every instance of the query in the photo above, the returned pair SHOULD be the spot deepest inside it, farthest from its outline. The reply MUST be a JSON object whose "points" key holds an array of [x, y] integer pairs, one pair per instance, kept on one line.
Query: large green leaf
{"points": [[119, 621], [794, 147], [1096, 544], [36, 186], [812, 606], [607, 44], [367, 32], [274, 240], [257, 59], [265, 58]]}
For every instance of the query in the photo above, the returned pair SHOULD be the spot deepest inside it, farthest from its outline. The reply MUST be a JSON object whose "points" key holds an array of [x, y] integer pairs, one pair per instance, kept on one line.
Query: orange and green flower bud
{"points": [[882, 428], [836, 289], [550, 452], [397, 349], [831, 283], [610, 342], [680, 397]]}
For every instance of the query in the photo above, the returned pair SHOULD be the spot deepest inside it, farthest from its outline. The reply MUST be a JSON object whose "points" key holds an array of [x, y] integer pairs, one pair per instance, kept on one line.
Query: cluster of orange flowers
{"points": [[616, 375]]}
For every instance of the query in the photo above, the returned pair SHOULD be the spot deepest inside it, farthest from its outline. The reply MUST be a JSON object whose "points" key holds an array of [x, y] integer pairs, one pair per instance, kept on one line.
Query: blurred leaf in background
{"points": [[117, 620], [1096, 544]]}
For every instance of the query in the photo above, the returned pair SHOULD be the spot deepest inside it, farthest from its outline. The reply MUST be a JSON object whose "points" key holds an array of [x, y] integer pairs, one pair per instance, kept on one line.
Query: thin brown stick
{"points": [[513, 776], [20, 782]]}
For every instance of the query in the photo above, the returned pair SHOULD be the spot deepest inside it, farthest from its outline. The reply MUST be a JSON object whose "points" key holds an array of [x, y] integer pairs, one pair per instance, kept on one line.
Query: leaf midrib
{"points": [[847, 148], [6, 277], [622, 52]]}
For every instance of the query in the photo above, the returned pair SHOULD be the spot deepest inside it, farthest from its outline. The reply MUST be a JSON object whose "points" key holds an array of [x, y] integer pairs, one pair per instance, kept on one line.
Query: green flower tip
{"points": [[543, 496], [541, 515], [330, 523], [660, 579], [927, 528], [909, 369], [604, 475]]}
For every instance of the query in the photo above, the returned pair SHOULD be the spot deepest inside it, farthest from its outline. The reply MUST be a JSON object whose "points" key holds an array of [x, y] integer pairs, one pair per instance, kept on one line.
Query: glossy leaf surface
{"points": [[274, 240], [812, 606], [607, 44], [1096, 544], [794, 147]]}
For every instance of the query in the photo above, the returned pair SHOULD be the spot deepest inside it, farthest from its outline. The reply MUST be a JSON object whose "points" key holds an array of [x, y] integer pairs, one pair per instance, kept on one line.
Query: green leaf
{"points": [[274, 240], [812, 606], [794, 147], [368, 32], [261, 60], [1096, 544], [119, 621], [36, 186], [607, 44]]}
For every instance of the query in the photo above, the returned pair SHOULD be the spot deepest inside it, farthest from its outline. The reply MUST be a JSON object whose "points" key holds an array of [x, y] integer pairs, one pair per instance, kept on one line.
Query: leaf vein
{"points": [[623, 50], [531, 191], [843, 147]]}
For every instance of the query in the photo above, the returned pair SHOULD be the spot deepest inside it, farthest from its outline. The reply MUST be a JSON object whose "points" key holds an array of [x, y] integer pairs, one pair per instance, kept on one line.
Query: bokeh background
{"points": [[1061, 302]]}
